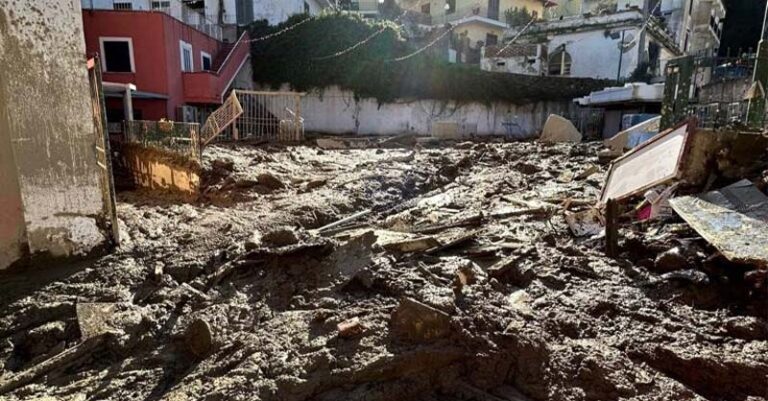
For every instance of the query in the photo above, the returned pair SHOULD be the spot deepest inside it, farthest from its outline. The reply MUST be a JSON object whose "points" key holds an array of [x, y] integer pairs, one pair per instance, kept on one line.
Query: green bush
{"points": [[293, 58]]}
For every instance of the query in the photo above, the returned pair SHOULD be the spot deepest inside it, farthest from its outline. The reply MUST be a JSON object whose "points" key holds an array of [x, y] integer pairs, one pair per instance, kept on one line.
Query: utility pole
{"points": [[756, 105]]}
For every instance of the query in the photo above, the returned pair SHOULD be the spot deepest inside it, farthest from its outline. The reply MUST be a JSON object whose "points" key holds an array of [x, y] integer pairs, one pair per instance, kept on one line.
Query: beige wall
{"points": [[437, 7], [477, 31], [49, 121]]}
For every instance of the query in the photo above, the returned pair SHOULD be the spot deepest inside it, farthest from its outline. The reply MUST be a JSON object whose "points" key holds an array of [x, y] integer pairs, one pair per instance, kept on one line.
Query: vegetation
{"points": [[304, 58], [519, 16]]}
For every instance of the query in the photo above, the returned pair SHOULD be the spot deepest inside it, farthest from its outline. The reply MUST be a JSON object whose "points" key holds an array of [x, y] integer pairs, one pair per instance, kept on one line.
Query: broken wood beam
{"points": [[60, 360], [612, 228], [468, 221], [344, 220]]}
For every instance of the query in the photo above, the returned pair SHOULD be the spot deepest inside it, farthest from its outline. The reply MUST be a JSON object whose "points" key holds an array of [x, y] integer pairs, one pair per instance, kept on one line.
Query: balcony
{"points": [[208, 87], [175, 9]]}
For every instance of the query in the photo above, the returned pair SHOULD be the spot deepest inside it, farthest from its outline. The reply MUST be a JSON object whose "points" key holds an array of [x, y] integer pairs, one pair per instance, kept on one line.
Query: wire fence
{"points": [[176, 137], [266, 116]]}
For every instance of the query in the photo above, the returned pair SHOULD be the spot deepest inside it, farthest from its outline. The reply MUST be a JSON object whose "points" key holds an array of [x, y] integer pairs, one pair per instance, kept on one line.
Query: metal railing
{"points": [[267, 116], [176, 137], [174, 8]]}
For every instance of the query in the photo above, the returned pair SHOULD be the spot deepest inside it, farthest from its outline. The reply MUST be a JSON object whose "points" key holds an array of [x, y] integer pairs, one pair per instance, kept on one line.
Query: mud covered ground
{"points": [[498, 301]]}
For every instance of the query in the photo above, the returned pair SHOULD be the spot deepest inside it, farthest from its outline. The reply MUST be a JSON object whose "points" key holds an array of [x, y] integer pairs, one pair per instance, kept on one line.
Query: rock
{"points": [[350, 328], [316, 183], [691, 275], [670, 260], [470, 273], [96, 319], [414, 321], [559, 129], [328, 143], [253, 242], [283, 236], [526, 168], [199, 338], [270, 181]]}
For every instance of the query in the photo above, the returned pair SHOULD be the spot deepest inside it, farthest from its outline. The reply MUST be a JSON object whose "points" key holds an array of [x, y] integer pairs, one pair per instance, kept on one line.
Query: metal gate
{"points": [[267, 116], [104, 159]]}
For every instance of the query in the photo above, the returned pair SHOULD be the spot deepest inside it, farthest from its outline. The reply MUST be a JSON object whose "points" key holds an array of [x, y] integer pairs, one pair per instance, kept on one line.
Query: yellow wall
{"points": [[477, 31]]}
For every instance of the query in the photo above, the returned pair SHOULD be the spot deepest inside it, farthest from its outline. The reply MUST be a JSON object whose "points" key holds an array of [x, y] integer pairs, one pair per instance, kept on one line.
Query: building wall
{"points": [[335, 111], [12, 229], [477, 31], [596, 55], [47, 116], [437, 7], [156, 50]]}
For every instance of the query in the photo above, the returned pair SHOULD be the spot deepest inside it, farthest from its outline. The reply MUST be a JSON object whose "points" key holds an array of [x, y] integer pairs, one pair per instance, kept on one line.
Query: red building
{"points": [[179, 72]]}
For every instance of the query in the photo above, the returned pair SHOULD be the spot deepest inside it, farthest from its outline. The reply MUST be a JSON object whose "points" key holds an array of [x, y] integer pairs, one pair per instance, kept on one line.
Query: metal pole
{"points": [[755, 107]]}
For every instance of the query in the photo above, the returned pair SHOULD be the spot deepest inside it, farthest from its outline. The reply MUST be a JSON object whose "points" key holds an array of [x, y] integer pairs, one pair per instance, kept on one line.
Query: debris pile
{"points": [[467, 271]]}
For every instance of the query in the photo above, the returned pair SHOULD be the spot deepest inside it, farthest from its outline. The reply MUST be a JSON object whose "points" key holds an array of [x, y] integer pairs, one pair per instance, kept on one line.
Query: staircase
{"points": [[221, 57]]}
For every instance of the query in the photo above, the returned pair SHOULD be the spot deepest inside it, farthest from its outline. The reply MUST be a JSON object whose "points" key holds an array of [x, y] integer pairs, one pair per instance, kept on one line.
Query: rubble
{"points": [[417, 322], [291, 294]]}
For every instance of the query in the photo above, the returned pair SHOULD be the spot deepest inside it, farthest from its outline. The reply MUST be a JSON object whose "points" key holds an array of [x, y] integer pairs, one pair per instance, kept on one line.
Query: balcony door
{"points": [[493, 9]]}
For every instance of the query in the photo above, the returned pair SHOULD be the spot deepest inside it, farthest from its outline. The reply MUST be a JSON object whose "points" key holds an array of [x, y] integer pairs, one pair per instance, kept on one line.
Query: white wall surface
{"points": [[595, 55], [335, 111]]}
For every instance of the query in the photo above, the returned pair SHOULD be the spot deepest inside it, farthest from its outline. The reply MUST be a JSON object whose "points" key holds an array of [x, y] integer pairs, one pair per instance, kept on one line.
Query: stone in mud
{"points": [[670, 260], [270, 181], [253, 242], [199, 338], [282, 236], [414, 321], [350, 328]]}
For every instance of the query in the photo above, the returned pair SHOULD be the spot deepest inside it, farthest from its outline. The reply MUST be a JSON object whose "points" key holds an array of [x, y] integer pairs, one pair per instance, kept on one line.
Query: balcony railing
{"points": [[173, 8]]}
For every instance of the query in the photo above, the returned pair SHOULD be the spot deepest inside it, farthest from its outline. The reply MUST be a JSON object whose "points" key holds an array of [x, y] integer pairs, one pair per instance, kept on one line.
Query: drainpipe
{"points": [[621, 56]]}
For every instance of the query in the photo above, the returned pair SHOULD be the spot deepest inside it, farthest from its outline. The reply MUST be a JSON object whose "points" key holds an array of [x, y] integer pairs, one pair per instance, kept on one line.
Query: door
{"points": [[493, 9], [102, 149]]}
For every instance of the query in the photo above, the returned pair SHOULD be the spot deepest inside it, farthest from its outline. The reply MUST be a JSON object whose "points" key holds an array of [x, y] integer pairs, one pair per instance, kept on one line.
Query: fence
{"points": [[176, 137], [266, 116], [589, 121]]}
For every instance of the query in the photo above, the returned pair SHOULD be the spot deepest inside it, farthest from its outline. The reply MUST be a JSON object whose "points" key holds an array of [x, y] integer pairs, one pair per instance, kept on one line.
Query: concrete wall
{"points": [[46, 115], [335, 111], [596, 55]]}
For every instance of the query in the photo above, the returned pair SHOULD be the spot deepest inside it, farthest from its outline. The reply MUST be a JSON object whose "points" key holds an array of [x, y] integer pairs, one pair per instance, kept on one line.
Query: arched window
{"points": [[560, 63]]}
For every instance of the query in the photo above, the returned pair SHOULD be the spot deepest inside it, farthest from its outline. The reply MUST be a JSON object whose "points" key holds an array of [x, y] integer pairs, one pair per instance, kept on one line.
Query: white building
{"points": [[696, 25], [608, 45]]}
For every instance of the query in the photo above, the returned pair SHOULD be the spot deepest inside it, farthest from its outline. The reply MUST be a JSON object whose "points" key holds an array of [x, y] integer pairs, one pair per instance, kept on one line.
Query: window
{"points": [[117, 54], [450, 6], [161, 5], [122, 5], [560, 63], [206, 61], [187, 64], [491, 39], [426, 8]]}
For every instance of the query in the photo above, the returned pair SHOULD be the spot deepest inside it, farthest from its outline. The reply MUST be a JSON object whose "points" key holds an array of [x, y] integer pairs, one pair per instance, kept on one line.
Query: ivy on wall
{"points": [[299, 57]]}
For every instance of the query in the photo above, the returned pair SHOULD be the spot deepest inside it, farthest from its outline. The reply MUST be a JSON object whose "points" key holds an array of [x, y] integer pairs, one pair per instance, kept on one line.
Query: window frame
{"points": [[124, 5], [128, 40], [160, 6], [186, 46], [203, 56]]}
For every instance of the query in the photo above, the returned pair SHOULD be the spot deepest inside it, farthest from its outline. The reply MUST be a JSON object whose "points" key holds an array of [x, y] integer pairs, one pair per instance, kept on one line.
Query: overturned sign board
{"points": [[653, 163], [734, 220]]}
